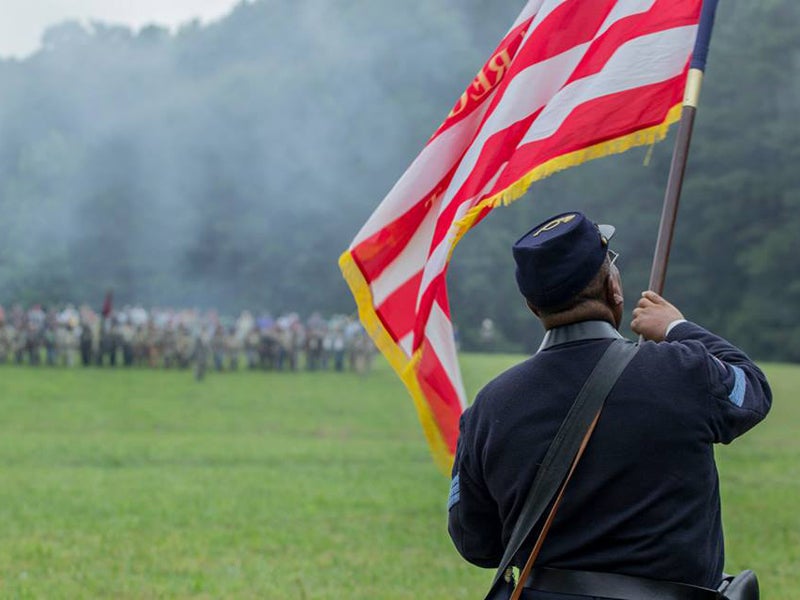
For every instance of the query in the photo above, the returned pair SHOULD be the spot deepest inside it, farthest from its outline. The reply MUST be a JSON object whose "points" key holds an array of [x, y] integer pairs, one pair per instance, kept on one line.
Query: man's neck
{"points": [[587, 311]]}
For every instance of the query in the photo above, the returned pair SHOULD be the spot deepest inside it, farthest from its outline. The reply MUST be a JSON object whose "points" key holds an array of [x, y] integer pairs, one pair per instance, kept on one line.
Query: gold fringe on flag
{"points": [[397, 358]]}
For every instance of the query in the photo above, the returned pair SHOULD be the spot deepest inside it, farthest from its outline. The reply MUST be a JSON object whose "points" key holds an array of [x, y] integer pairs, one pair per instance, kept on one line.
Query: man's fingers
{"points": [[645, 303], [650, 299], [653, 297], [652, 315]]}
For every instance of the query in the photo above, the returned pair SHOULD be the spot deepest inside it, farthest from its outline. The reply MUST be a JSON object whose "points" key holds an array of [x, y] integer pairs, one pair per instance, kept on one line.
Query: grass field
{"points": [[142, 484]]}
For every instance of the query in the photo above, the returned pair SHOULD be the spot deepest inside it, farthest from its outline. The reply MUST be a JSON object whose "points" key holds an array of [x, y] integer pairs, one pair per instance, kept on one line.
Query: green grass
{"points": [[143, 484]]}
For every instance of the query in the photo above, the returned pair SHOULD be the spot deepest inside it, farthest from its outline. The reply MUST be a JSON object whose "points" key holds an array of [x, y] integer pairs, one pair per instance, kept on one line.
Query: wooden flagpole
{"points": [[680, 155]]}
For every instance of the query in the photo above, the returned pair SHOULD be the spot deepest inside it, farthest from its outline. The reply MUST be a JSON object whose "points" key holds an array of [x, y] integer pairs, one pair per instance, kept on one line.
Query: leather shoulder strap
{"points": [[565, 445]]}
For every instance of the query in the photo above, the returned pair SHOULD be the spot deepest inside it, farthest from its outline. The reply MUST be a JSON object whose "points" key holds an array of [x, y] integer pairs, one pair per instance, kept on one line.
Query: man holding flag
{"points": [[642, 513]]}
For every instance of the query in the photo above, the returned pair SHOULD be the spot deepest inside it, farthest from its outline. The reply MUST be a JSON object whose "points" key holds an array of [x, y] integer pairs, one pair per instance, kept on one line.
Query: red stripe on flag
{"points": [[442, 396], [567, 26], [394, 311], [436, 289]]}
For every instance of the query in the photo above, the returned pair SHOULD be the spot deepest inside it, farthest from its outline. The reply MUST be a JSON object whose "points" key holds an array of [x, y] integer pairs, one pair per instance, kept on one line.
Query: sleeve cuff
{"points": [[672, 325]]}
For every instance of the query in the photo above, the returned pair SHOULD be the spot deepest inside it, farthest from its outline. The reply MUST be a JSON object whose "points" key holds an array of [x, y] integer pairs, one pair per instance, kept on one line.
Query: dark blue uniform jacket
{"points": [[644, 500]]}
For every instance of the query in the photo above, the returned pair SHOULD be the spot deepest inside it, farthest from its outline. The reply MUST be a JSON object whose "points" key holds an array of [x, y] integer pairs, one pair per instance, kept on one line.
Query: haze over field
{"points": [[228, 164]]}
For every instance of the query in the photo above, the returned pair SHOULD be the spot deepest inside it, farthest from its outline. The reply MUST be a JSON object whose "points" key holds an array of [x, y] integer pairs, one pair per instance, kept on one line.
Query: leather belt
{"points": [[611, 585]]}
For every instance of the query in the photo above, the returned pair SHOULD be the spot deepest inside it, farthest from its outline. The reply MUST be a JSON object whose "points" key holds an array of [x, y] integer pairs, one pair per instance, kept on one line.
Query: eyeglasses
{"points": [[613, 256]]}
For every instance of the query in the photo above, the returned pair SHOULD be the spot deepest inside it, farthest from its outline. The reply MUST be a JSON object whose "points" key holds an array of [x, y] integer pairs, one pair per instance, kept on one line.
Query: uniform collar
{"points": [[578, 332]]}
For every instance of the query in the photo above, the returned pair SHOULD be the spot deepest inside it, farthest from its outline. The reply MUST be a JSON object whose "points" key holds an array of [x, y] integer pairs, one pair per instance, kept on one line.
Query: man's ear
{"points": [[614, 294]]}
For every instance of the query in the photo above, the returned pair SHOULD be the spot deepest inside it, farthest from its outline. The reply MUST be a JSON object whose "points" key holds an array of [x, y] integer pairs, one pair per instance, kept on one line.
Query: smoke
{"points": [[223, 165]]}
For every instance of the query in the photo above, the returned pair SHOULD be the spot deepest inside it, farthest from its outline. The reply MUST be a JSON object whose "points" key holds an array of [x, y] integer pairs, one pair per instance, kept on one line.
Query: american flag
{"points": [[571, 81]]}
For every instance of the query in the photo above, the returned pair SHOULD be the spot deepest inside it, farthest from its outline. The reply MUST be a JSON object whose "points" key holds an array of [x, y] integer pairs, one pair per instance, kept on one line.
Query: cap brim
{"points": [[607, 231]]}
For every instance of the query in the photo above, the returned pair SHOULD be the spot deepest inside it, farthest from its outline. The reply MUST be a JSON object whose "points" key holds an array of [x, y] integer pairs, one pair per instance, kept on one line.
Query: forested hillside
{"points": [[229, 165]]}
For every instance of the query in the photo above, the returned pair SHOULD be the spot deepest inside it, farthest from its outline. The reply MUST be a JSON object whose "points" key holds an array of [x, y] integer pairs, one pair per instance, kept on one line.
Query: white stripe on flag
{"points": [[527, 12], [407, 343], [435, 265], [439, 332], [407, 264]]}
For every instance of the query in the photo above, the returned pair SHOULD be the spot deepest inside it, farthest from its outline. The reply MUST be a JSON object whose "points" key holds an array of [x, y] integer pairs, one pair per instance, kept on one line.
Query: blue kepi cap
{"points": [[559, 257]]}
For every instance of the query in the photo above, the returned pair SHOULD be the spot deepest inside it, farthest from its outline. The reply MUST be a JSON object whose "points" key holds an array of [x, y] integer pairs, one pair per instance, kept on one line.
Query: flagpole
{"points": [[680, 155]]}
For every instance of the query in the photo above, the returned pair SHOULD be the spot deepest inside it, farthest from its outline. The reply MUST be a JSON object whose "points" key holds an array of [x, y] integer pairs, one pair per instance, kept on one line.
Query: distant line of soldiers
{"points": [[182, 339]]}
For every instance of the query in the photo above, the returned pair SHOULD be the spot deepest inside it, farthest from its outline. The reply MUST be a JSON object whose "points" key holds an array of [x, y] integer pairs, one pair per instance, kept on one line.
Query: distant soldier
{"points": [[34, 343], [246, 339], [314, 349], [359, 354], [327, 348], [363, 351], [108, 343], [284, 337], [154, 341], [200, 352], [19, 336], [339, 347], [62, 343], [218, 349], [298, 341], [48, 335], [6, 342], [116, 341], [126, 342], [140, 350], [85, 343], [169, 348], [96, 326], [252, 340], [184, 347], [272, 348], [233, 344]]}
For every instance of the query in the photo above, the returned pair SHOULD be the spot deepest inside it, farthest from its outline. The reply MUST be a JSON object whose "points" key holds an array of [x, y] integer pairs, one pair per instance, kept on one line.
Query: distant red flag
{"points": [[571, 81], [108, 304]]}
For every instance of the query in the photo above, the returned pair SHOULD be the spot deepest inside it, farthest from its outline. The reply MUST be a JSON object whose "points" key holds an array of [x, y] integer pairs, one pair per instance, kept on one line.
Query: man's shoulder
{"points": [[678, 350], [674, 365], [509, 380]]}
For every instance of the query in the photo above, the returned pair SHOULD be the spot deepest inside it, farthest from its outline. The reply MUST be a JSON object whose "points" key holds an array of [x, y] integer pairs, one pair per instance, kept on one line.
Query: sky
{"points": [[22, 22]]}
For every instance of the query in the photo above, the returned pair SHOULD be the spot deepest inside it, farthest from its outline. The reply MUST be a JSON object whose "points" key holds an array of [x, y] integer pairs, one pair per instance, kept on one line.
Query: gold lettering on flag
{"points": [[485, 81]]}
